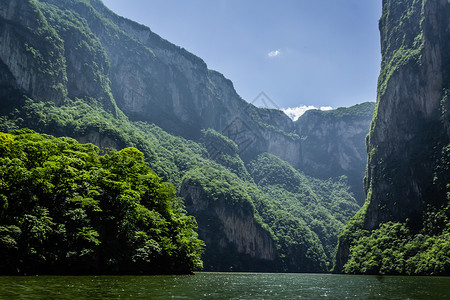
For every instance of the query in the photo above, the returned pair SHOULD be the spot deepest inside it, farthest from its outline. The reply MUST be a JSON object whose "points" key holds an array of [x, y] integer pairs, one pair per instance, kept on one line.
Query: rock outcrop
{"points": [[28, 64], [234, 240], [407, 125]]}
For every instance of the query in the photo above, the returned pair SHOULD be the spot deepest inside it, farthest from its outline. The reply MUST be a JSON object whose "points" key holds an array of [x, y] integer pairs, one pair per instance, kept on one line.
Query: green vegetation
{"points": [[168, 155], [354, 112], [299, 248], [419, 245], [46, 52], [404, 226], [287, 212], [85, 54], [322, 206], [67, 209], [333, 144], [225, 152], [401, 49], [403, 247]]}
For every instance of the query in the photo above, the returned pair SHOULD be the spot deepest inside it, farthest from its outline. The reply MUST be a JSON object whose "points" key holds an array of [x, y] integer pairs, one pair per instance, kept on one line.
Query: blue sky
{"points": [[317, 53]]}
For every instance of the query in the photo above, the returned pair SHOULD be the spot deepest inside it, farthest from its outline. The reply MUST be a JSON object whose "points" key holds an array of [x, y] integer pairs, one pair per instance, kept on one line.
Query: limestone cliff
{"points": [[407, 125], [47, 64], [234, 240], [333, 143], [409, 131], [28, 64]]}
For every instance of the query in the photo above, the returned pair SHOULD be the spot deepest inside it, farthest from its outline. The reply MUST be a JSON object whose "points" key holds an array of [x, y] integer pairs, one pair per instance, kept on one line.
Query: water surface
{"points": [[225, 286]]}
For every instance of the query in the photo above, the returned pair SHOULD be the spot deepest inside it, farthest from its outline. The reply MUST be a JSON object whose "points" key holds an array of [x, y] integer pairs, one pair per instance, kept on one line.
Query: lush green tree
{"points": [[66, 209]]}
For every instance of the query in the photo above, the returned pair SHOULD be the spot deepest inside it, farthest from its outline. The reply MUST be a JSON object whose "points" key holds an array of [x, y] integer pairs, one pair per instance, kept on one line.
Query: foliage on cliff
{"points": [[66, 209], [394, 249], [333, 144], [224, 151], [168, 155], [323, 206], [363, 110], [299, 249], [304, 226]]}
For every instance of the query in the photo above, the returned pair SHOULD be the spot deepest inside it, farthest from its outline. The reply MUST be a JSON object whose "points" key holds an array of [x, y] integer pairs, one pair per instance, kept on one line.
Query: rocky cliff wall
{"points": [[409, 131], [63, 51], [153, 80], [333, 143], [234, 240], [29, 63], [407, 126]]}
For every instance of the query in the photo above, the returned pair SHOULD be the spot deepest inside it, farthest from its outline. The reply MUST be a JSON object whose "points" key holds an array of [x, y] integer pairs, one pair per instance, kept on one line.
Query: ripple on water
{"points": [[225, 286]]}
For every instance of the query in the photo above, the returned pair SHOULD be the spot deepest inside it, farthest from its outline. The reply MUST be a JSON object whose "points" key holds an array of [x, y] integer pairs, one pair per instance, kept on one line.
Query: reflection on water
{"points": [[225, 286]]}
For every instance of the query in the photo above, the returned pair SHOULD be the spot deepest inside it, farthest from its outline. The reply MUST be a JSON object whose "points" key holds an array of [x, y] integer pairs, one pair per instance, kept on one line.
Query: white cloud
{"points": [[274, 53], [326, 108], [296, 112]]}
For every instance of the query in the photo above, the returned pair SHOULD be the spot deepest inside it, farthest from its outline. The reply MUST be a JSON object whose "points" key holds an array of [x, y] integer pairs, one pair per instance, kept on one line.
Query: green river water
{"points": [[225, 286]]}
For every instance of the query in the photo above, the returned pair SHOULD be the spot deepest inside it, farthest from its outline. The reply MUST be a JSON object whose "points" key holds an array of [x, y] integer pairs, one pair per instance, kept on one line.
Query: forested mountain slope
{"points": [[403, 227], [73, 68]]}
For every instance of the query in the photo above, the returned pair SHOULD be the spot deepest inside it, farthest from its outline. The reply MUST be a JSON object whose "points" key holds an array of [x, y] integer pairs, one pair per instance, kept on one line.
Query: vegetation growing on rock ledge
{"points": [[67, 209]]}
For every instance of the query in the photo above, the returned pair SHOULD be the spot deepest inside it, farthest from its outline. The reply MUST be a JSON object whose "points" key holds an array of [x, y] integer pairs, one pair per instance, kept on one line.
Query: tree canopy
{"points": [[67, 209]]}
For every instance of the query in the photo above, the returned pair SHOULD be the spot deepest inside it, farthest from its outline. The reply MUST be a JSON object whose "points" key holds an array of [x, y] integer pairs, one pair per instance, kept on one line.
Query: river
{"points": [[225, 286]]}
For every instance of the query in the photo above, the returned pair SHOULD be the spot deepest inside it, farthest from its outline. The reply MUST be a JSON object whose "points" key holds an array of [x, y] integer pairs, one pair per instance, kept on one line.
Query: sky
{"points": [[302, 54]]}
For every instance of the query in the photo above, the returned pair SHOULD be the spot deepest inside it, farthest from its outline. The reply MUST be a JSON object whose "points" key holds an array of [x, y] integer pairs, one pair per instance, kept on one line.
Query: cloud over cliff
{"points": [[296, 112]]}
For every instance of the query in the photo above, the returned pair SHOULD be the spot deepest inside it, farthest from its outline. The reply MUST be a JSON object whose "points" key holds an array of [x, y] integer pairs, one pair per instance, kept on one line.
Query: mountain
{"points": [[74, 68], [403, 227], [91, 53]]}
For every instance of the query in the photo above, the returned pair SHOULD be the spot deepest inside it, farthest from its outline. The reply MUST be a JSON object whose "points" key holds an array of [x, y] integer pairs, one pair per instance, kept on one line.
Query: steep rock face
{"points": [[153, 80], [98, 139], [50, 56], [333, 143], [410, 126], [407, 125], [234, 240], [28, 63], [184, 94]]}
